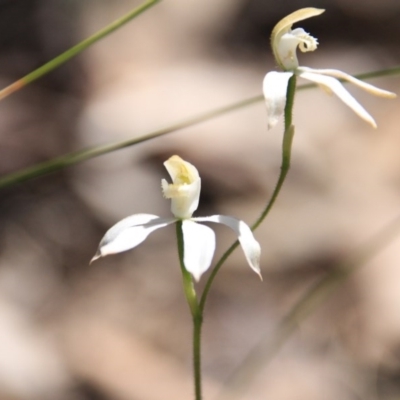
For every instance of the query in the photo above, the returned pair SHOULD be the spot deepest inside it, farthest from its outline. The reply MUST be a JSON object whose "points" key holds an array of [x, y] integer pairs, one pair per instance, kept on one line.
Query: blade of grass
{"points": [[58, 163], [75, 50], [66, 160]]}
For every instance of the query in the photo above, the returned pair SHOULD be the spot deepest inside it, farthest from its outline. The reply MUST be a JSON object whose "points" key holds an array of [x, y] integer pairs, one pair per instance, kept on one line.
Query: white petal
{"points": [[333, 85], [250, 246], [199, 247], [274, 88], [361, 84], [128, 233]]}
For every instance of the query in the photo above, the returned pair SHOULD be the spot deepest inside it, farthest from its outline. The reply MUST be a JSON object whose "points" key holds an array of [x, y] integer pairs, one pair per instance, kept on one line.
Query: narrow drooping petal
{"points": [[129, 232], [250, 246], [184, 191], [199, 247], [361, 84], [333, 85], [274, 88]]}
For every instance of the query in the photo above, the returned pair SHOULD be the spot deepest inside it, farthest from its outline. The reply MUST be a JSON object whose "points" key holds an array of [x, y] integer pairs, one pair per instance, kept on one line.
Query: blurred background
{"points": [[120, 329]]}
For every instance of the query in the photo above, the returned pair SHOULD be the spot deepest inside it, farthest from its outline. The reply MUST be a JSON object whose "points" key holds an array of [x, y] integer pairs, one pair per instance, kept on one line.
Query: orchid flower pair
{"points": [[199, 240], [284, 42]]}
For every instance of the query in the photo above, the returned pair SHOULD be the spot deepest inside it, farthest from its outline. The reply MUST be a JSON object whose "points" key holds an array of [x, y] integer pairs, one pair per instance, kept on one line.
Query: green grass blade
{"points": [[86, 154], [75, 50]]}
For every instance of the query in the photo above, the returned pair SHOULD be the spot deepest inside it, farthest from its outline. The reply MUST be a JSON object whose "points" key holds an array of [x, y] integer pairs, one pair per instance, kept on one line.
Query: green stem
{"points": [[286, 149], [75, 50], [73, 158], [197, 325], [290, 92], [197, 315], [286, 155]]}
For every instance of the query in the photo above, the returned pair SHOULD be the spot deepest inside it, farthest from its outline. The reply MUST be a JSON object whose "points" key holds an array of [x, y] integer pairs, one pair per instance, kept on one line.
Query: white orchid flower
{"points": [[199, 240], [284, 42]]}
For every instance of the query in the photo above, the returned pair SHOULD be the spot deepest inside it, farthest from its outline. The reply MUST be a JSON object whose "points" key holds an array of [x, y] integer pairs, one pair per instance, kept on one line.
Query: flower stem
{"points": [[286, 149], [197, 315], [286, 155], [290, 92], [197, 325], [75, 50]]}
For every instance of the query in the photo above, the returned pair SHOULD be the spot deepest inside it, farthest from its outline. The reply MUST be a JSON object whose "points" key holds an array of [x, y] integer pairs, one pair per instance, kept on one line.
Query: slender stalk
{"points": [[290, 92], [73, 158], [286, 149], [286, 154], [197, 325], [75, 50], [197, 315]]}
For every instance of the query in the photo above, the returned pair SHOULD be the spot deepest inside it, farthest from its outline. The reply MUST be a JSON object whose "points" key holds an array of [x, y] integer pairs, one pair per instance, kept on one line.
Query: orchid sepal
{"points": [[251, 248], [274, 88], [129, 233], [199, 247]]}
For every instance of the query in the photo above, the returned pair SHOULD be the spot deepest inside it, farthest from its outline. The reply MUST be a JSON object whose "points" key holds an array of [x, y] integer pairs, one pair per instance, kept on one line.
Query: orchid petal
{"points": [[129, 232], [198, 247], [346, 77], [250, 246], [275, 88], [333, 85]]}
